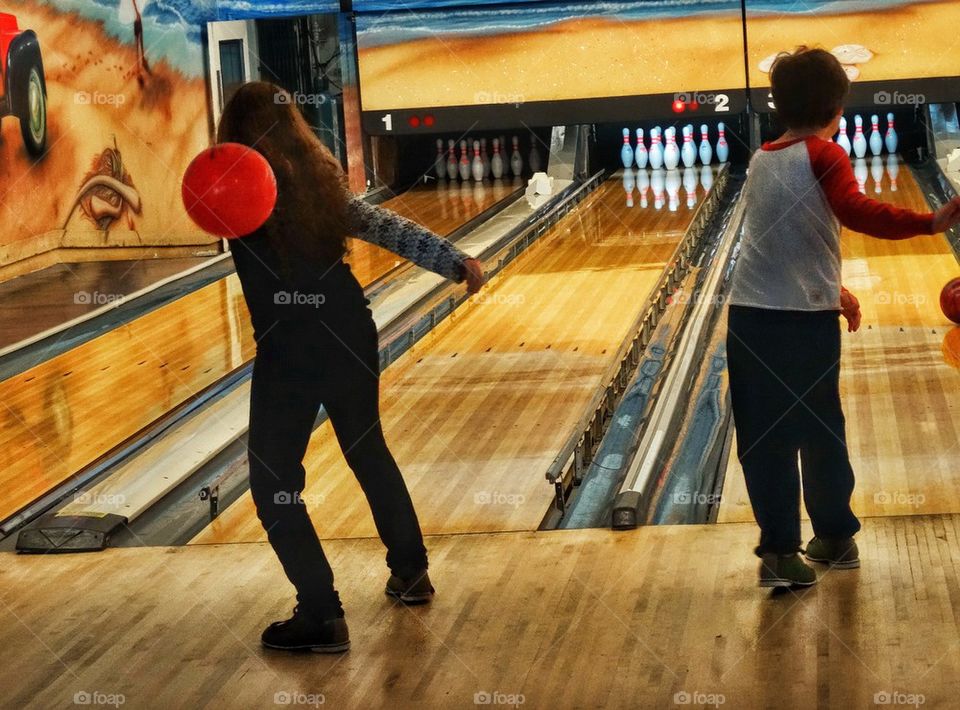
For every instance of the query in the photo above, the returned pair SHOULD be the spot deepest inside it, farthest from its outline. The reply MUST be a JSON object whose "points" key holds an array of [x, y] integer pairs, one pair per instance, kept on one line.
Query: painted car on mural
{"points": [[24, 85]]}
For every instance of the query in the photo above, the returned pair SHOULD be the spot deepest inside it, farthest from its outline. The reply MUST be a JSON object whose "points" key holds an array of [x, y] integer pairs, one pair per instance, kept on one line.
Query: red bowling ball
{"points": [[229, 190], [950, 300]]}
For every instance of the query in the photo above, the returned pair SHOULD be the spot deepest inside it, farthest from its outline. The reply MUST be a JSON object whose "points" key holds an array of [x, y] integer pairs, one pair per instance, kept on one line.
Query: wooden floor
{"points": [[61, 415], [573, 619], [900, 382], [477, 410]]}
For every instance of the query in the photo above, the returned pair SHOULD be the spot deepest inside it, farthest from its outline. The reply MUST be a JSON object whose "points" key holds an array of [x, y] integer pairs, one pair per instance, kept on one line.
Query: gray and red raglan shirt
{"points": [[798, 194]]}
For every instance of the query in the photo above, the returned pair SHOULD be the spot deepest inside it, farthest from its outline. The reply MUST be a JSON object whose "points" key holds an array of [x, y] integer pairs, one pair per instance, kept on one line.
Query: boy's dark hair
{"points": [[809, 88]]}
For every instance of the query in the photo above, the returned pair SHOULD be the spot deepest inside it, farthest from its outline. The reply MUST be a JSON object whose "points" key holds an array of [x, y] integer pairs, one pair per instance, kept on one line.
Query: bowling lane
{"points": [[478, 409], [899, 375], [60, 416]]}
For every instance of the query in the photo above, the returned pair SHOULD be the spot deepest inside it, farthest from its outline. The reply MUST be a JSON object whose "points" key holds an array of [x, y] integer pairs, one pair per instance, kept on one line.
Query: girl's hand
{"points": [[850, 309], [947, 216], [474, 275]]}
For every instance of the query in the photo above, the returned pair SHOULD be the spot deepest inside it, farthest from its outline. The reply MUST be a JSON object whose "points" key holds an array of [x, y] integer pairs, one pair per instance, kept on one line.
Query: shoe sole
{"points": [[766, 583], [847, 564], [424, 598], [330, 648]]}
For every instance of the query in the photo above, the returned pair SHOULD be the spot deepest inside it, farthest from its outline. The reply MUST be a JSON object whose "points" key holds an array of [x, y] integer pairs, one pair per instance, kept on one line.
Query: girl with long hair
{"points": [[317, 345]]}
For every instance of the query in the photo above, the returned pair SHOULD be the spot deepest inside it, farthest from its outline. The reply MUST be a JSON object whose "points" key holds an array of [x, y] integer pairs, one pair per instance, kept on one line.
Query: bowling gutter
{"points": [[570, 466], [659, 435]]}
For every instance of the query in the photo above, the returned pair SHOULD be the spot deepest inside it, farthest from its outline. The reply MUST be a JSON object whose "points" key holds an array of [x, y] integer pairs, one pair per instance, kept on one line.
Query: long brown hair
{"points": [[311, 218]]}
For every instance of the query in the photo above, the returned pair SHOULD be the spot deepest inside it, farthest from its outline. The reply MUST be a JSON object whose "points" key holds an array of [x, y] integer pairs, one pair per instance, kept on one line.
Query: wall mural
{"points": [[107, 105]]}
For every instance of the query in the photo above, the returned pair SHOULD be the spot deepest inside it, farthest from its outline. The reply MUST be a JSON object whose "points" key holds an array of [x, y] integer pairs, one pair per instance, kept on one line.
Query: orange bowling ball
{"points": [[229, 190], [950, 300]]}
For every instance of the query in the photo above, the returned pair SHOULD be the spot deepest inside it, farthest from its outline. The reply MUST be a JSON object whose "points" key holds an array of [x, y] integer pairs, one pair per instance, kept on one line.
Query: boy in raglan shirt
{"points": [[783, 339]]}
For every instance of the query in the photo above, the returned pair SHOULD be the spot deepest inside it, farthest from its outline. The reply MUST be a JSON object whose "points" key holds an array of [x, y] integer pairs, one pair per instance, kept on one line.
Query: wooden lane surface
{"points": [[478, 409], [635, 616], [900, 382], [64, 413], [45, 299]]}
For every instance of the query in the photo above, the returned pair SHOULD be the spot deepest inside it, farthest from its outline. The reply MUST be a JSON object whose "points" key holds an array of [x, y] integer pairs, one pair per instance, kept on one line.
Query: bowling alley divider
{"points": [[569, 466], [656, 438]]}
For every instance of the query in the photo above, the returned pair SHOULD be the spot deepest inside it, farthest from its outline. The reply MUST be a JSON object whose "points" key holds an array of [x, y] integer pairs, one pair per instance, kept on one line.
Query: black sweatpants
{"points": [[785, 388], [299, 366]]}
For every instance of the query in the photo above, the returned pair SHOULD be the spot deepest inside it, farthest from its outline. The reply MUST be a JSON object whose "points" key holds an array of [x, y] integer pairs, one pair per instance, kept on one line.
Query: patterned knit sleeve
{"points": [[407, 239]]}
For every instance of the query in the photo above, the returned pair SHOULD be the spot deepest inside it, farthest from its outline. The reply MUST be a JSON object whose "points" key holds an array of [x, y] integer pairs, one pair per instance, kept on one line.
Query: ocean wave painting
{"points": [[407, 25], [249, 9], [830, 7]]}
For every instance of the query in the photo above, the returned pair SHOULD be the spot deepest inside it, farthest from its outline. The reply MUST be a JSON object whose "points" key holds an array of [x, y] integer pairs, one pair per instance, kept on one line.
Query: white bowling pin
{"points": [[671, 151], [464, 161], [690, 182], [657, 181], [656, 149], [723, 149], [859, 141], [893, 170], [485, 157], [640, 154], [496, 162], [876, 172], [706, 150], [688, 154], [860, 170], [891, 138], [476, 167], [452, 170], [643, 184], [626, 151], [629, 182], [516, 160], [843, 140], [876, 139], [706, 177], [440, 161], [673, 189]]}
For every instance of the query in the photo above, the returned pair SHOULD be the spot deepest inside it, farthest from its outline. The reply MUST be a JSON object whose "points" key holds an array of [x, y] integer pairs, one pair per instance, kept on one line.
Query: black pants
{"points": [[785, 386], [299, 366]]}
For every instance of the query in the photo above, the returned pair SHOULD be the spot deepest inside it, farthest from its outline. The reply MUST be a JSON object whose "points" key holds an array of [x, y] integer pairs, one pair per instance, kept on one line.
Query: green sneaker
{"points": [[841, 553], [785, 571]]}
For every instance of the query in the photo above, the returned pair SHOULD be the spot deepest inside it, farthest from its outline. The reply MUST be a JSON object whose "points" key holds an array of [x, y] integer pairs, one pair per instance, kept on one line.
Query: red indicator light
{"points": [[428, 120], [694, 106], [414, 122], [679, 106]]}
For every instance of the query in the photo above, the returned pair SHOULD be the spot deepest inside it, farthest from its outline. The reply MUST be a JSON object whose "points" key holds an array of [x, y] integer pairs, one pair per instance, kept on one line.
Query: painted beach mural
{"points": [[251, 9], [122, 100], [546, 51], [388, 5], [875, 40]]}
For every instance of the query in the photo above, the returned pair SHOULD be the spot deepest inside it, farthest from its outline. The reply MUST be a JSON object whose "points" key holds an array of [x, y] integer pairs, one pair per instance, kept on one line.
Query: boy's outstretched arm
{"points": [[856, 211]]}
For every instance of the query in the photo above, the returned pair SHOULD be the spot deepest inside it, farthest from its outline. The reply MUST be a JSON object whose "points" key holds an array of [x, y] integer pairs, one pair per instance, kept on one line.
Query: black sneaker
{"points": [[785, 571], [840, 553], [415, 589], [306, 633]]}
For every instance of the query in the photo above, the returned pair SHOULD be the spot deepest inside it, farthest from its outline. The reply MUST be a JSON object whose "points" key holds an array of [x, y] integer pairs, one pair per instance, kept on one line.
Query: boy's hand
{"points": [[947, 216], [474, 274], [850, 309]]}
